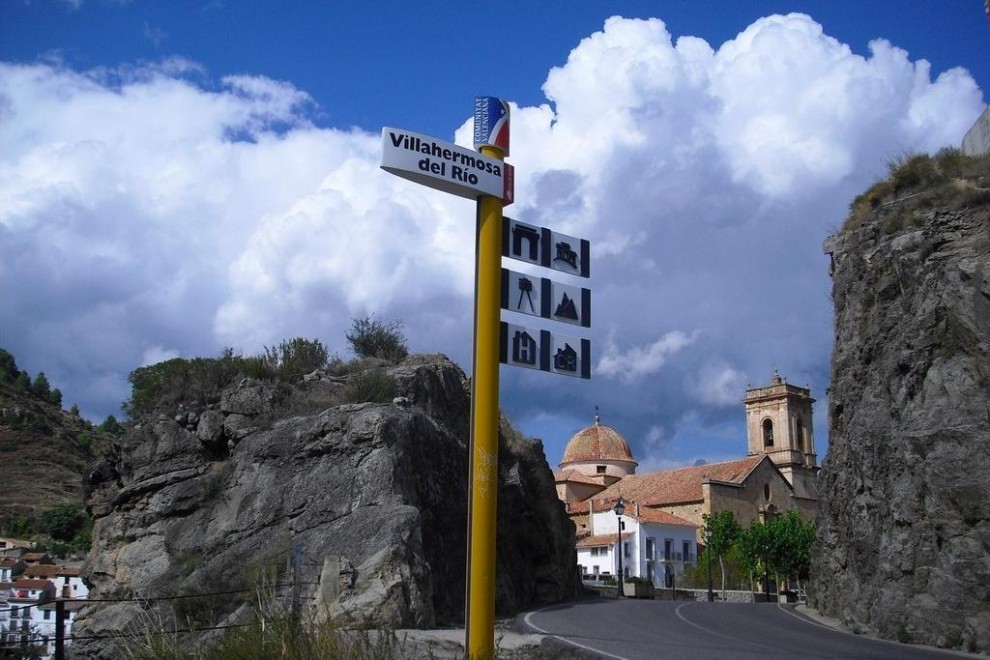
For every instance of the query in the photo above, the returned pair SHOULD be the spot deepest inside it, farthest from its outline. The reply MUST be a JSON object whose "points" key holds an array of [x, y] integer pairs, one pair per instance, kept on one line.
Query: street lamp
{"points": [[620, 509], [708, 553]]}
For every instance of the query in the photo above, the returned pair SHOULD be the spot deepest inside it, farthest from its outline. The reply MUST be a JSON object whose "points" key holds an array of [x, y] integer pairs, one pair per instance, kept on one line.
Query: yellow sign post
{"points": [[489, 179], [480, 606], [491, 138]]}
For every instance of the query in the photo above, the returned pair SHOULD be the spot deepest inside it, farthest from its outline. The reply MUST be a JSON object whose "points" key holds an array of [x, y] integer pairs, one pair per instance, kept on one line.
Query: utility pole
{"points": [[297, 553], [59, 629]]}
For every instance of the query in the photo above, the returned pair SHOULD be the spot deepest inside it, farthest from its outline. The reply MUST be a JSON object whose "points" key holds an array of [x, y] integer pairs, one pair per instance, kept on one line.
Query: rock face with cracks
{"points": [[373, 497], [904, 527]]}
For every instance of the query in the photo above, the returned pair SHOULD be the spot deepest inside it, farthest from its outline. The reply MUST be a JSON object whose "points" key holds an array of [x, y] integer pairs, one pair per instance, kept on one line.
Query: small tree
{"points": [[23, 381], [56, 397], [792, 537], [40, 385], [111, 426], [371, 337], [724, 531], [8, 367], [297, 356], [74, 410], [62, 522]]}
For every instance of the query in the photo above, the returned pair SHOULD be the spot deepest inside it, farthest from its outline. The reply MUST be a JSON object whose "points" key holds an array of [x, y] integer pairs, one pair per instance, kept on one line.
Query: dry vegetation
{"points": [[919, 183]]}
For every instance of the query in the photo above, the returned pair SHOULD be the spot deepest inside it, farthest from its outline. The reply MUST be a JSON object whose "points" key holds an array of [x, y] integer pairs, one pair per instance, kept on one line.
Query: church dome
{"points": [[597, 443]]}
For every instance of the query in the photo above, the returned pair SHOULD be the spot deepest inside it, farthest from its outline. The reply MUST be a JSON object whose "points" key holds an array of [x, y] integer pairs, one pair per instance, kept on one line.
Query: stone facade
{"points": [[778, 475]]}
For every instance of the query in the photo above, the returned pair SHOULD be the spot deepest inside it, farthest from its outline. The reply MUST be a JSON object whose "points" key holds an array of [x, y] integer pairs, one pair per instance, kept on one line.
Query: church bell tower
{"points": [[779, 424]]}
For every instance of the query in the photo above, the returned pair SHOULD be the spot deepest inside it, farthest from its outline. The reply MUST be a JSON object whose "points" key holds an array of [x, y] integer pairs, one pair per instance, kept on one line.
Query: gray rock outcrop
{"points": [[374, 495], [903, 547]]}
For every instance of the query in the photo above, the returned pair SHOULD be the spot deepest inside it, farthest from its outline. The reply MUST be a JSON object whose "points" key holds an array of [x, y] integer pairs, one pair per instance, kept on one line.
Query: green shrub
{"points": [[371, 337], [198, 381], [296, 357], [62, 522]]}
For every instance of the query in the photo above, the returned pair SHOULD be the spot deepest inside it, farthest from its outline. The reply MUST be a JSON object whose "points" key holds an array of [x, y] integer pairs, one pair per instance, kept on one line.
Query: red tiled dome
{"points": [[597, 443]]}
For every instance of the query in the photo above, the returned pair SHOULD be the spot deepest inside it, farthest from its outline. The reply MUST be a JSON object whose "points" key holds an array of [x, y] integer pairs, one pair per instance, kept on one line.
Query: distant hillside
{"points": [[44, 452]]}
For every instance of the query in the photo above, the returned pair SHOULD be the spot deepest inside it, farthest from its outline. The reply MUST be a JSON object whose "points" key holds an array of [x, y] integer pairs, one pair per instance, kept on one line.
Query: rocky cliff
{"points": [[904, 521], [374, 496]]}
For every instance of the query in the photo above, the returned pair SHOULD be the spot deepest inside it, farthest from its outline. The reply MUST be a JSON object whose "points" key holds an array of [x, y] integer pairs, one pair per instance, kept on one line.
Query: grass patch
{"points": [[916, 183]]}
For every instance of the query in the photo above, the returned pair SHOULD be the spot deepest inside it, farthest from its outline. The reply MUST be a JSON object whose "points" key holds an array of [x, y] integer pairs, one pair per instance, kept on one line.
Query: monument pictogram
{"points": [[542, 247]]}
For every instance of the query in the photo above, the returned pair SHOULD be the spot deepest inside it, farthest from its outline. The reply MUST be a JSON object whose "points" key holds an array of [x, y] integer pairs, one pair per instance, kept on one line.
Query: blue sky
{"points": [[177, 177]]}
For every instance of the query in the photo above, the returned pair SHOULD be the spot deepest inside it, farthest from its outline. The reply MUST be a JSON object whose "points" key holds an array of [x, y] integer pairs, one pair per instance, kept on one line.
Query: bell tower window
{"points": [[767, 433]]}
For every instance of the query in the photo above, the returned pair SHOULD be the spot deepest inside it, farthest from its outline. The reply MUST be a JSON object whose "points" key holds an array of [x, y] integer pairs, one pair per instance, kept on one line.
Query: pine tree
{"points": [[8, 367], [56, 397], [40, 385]]}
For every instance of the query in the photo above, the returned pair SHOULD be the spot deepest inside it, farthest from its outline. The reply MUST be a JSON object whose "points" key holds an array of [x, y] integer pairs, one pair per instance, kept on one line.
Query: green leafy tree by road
{"points": [[793, 537], [721, 533], [780, 547]]}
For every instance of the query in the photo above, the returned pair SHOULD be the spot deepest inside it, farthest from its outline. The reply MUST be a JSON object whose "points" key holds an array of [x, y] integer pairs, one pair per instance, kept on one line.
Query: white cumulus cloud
{"points": [[148, 211]]}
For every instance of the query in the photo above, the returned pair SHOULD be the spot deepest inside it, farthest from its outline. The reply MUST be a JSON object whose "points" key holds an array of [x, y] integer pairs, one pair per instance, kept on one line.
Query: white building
{"points": [[27, 605], [655, 545]]}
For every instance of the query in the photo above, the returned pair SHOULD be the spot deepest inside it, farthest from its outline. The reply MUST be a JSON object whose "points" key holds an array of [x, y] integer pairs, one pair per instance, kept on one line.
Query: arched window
{"points": [[767, 433], [801, 441]]}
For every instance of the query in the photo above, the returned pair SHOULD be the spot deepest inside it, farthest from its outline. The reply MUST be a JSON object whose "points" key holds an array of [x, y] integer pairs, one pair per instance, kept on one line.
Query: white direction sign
{"points": [[443, 165], [539, 296], [544, 350], [543, 247]]}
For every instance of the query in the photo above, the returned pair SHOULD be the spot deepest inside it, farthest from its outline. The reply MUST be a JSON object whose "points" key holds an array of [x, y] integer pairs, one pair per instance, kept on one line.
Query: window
{"points": [[767, 433], [625, 549], [47, 615], [600, 469], [801, 443]]}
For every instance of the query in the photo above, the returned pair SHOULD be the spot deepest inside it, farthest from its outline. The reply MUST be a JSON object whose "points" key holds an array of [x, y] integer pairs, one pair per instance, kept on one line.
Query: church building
{"points": [[779, 473]]}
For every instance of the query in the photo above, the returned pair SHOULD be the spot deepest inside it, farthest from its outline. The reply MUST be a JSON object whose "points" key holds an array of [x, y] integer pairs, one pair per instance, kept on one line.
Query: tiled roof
{"points": [[36, 557], [574, 477], [48, 570], [680, 485], [648, 515], [599, 540], [597, 443], [32, 584]]}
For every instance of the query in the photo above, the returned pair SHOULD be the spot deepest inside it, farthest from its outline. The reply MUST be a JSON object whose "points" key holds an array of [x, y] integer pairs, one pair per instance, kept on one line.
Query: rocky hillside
{"points": [[219, 498], [904, 524]]}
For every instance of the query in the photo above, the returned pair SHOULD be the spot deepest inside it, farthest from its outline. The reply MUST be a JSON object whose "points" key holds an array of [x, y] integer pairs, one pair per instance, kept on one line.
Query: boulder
{"points": [[903, 547], [372, 495]]}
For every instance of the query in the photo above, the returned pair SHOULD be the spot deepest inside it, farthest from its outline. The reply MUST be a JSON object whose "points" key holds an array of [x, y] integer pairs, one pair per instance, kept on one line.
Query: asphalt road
{"points": [[630, 629]]}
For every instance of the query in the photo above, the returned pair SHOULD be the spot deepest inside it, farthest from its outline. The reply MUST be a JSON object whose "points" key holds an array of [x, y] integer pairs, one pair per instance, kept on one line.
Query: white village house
{"points": [[655, 545]]}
